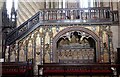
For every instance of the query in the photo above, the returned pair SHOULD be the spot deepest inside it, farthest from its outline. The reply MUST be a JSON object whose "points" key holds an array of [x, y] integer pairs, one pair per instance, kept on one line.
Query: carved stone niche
{"points": [[76, 45]]}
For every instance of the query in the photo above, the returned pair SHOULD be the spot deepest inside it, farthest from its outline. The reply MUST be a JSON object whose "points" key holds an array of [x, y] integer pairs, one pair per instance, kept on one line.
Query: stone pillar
{"points": [[119, 25], [115, 5], [115, 41], [0, 34], [0, 39], [116, 29]]}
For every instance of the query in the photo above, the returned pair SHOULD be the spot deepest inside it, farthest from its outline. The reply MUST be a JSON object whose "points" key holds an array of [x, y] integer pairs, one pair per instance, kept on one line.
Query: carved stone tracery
{"points": [[76, 45], [72, 43]]}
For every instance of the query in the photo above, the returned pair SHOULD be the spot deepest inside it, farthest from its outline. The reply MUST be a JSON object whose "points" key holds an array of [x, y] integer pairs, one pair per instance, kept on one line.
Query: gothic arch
{"points": [[76, 28]]}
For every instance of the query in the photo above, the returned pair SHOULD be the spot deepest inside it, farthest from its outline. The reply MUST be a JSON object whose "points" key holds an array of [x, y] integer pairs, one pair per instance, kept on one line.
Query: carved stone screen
{"points": [[76, 47]]}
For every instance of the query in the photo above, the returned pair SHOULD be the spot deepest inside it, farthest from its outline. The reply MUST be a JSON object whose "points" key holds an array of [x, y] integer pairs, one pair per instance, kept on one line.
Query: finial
{"points": [[13, 7], [4, 5]]}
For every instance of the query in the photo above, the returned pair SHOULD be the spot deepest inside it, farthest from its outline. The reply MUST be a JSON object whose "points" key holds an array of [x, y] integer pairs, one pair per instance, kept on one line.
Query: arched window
{"points": [[62, 3], [65, 3], [86, 3]]}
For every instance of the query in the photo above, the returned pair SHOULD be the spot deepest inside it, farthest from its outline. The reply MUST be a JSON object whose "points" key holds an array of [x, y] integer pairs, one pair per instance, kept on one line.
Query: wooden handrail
{"points": [[76, 69], [17, 69]]}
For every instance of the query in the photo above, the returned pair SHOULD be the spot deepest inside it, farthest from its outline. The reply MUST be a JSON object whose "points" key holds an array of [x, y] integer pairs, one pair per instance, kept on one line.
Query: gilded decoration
{"points": [[22, 51], [76, 47], [12, 53], [72, 44]]}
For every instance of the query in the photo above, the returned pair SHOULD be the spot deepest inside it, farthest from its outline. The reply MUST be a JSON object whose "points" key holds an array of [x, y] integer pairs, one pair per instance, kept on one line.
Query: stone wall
{"points": [[115, 30], [1, 3], [27, 10]]}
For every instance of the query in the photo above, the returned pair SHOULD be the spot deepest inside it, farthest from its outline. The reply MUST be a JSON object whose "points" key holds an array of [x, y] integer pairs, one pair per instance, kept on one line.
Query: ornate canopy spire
{"points": [[13, 7], [13, 15], [5, 20], [4, 10]]}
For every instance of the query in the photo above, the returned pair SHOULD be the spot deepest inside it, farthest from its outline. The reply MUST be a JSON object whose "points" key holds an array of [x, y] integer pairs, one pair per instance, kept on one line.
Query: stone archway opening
{"points": [[76, 45]]}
